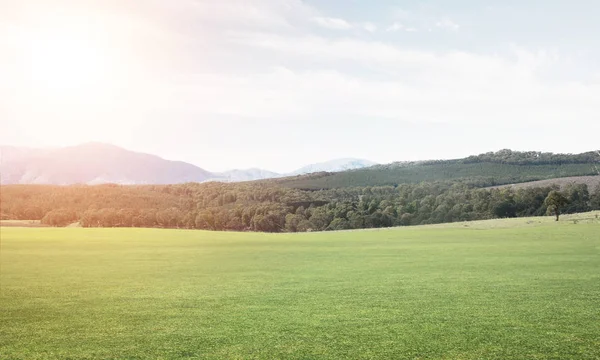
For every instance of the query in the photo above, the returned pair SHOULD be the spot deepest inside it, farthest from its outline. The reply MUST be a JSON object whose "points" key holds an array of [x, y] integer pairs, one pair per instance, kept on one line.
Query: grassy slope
{"points": [[451, 170], [591, 181], [522, 288]]}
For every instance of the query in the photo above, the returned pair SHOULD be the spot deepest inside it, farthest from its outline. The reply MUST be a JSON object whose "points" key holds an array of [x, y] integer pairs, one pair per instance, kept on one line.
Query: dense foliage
{"points": [[507, 156], [258, 206]]}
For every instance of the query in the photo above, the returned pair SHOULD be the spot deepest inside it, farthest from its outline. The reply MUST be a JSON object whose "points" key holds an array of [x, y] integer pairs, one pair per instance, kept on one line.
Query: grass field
{"points": [[504, 289]]}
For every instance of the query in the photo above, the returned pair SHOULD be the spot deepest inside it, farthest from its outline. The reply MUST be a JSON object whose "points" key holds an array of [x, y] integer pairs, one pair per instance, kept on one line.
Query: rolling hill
{"points": [[498, 168]]}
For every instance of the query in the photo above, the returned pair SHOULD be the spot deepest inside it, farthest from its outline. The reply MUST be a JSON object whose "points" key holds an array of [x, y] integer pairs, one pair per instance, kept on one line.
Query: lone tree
{"points": [[555, 202]]}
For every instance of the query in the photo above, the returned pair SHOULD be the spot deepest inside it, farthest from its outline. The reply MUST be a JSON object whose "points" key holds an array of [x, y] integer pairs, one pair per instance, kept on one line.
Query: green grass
{"points": [[505, 289]]}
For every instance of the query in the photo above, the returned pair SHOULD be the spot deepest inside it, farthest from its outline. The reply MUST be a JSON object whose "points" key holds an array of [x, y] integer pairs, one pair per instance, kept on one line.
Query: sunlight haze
{"points": [[279, 84]]}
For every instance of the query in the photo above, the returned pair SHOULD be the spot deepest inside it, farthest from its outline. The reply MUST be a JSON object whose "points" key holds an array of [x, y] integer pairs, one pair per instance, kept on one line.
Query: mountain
{"points": [[260, 174], [97, 163], [244, 175], [489, 169], [334, 166], [93, 163]]}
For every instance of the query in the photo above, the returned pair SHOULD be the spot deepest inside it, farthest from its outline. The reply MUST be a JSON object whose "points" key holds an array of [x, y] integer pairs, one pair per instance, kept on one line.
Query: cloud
{"points": [[240, 13], [447, 24], [450, 87], [332, 23], [423, 17], [341, 24], [400, 13], [399, 27], [370, 27], [395, 27], [493, 94]]}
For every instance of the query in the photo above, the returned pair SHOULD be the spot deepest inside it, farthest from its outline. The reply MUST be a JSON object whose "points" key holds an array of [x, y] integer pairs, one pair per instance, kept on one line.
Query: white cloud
{"points": [[332, 23], [341, 24], [424, 17], [395, 27], [447, 24], [370, 27], [450, 87], [399, 27], [400, 13], [263, 13], [490, 94]]}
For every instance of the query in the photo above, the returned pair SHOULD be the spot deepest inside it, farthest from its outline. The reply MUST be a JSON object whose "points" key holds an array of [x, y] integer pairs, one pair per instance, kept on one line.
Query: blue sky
{"points": [[278, 84]]}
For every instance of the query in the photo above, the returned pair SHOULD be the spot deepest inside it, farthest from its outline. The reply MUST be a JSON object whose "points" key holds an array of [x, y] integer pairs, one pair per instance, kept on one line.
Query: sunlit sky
{"points": [[278, 84]]}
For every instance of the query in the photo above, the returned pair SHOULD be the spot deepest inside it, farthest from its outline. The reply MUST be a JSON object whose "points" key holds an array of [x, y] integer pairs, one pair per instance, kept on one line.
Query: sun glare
{"points": [[67, 59], [61, 61]]}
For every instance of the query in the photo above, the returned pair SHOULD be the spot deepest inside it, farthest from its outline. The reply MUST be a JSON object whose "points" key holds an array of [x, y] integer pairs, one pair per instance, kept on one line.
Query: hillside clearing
{"points": [[591, 181]]}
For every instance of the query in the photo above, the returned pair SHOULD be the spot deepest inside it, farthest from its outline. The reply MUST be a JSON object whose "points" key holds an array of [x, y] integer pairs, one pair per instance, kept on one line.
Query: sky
{"points": [[279, 84]]}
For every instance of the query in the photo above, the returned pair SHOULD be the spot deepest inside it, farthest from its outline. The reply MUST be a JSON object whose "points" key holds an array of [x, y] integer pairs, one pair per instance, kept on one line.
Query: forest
{"points": [[259, 206]]}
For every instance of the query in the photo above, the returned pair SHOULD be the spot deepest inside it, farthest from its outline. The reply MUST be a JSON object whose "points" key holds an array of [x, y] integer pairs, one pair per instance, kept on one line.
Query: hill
{"points": [[95, 163], [502, 167]]}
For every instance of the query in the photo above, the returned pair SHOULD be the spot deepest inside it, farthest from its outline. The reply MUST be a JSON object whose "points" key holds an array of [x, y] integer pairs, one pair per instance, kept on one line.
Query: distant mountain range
{"points": [[97, 163], [334, 166]]}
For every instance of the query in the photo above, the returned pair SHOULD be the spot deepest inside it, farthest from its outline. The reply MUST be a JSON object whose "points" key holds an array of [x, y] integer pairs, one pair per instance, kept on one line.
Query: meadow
{"points": [[499, 289]]}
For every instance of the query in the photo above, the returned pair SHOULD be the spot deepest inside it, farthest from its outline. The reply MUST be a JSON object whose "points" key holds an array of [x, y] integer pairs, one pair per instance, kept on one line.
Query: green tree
{"points": [[505, 209], [292, 221], [59, 217], [339, 224], [205, 220], [579, 198], [555, 202], [321, 218], [595, 199]]}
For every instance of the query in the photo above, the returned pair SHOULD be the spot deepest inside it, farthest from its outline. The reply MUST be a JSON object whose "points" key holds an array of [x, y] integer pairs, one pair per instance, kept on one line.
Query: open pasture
{"points": [[511, 289]]}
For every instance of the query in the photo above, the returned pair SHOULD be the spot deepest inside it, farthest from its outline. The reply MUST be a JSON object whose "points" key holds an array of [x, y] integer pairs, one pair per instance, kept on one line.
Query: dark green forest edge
{"points": [[397, 194]]}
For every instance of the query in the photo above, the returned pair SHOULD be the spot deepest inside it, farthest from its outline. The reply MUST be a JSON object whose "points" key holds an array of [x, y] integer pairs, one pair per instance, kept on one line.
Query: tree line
{"points": [[267, 207]]}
